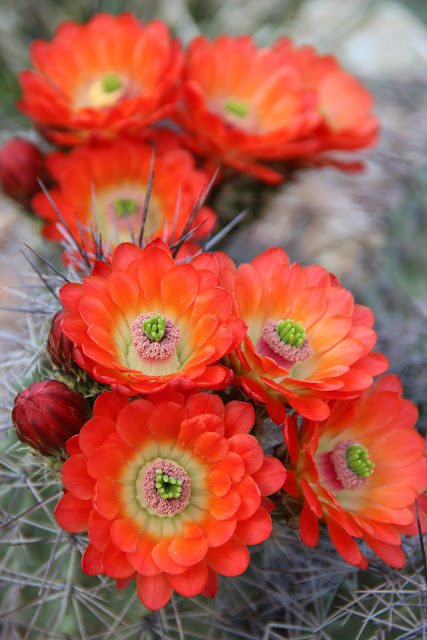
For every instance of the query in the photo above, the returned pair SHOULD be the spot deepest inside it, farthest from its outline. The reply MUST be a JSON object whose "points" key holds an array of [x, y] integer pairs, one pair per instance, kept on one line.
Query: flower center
{"points": [[105, 91], [358, 460], [237, 107], [154, 327], [166, 487], [290, 332], [352, 464], [125, 206], [154, 336], [111, 82], [285, 342]]}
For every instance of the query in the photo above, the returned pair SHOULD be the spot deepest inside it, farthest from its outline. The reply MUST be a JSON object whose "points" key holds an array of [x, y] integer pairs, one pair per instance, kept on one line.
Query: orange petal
{"points": [[191, 582], [76, 478], [125, 533], [230, 559], [92, 561], [255, 529], [72, 514], [153, 591], [239, 418], [270, 476]]}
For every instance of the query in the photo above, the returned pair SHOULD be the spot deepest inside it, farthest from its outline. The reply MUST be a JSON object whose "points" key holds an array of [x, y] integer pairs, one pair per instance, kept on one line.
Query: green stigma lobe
{"points": [[167, 486], [358, 461], [237, 107], [154, 327], [111, 82], [125, 206], [290, 332]]}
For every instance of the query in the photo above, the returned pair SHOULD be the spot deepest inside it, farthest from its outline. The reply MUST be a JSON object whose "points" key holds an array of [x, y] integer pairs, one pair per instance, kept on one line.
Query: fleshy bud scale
{"points": [[60, 348], [21, 165], [47, 414]]}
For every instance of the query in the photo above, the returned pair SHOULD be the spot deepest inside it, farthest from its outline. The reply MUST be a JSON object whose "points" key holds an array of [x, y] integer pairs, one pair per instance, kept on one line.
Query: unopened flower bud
{"points": [[21, 164], [60, 348], [47, 414]]}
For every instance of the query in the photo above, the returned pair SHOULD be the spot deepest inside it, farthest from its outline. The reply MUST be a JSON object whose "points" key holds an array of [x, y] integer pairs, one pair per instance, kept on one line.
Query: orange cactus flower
{"points": [[146, 322], [360, 471], [307, 341], [170, 490], [243, 105], [112, 179], [110, 75]]}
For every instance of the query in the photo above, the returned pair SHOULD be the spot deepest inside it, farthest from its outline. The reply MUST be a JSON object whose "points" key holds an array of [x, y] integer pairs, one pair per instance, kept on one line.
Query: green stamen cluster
{"points": [[290, 332], [125, 206], [111, 82], [358, 461], [154, 327], [167, 486], [237, 107]]}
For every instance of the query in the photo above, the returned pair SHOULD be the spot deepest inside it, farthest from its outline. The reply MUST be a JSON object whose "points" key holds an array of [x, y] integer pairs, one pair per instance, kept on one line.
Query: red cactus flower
{"points": [[47, 414], [112, 178], [146, 322], [22, 164], [170, 490], [360, 471], [110, 75], [307, 341], [243, 106]]}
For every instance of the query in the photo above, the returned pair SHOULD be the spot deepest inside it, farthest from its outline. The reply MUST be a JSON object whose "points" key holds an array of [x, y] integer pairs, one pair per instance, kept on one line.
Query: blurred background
{"points": [[370, 229]]}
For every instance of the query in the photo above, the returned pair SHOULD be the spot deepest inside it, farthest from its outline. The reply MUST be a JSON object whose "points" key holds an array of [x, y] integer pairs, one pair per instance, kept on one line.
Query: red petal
{"points": [[132, 423], [188, 551], [308, 526], [192, 581], [163, 560], [255, 529], [230, 559], [115, 564], [106, 461], [211, 447], [199, 403], [107, 498], [124, 534], [76, 479], [99, 530], [249, 449], [211, 586], [141, 558], [390, 553], [225, 507], [124, 255], [239, 418], [311, 408], [94, 433], [344, 543], [122, 583], [165, 420], [72, 514], [179, 288], [311, 497], [271, 476], [250, 498], [218, 482], [218, 531], [92, 561], [109, 404], [153, 591]]}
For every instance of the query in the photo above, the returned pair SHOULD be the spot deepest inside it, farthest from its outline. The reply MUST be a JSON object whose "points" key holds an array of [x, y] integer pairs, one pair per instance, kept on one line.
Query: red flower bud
{"points": [[60, 347], [47, 414], [21, 163]]}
